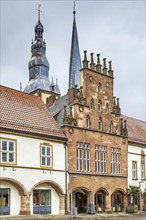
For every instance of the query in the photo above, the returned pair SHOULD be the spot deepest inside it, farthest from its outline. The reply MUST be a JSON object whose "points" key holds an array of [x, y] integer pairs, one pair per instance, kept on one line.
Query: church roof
{"points": [[136, 130], [25, 113]]}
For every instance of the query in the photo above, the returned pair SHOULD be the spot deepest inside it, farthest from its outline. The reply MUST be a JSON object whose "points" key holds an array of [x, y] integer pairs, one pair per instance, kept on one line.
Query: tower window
{"points": [[99, 106], [99, 88], [92, 104], [107, 108], [88, 121], [100, 124], [111, 127]]}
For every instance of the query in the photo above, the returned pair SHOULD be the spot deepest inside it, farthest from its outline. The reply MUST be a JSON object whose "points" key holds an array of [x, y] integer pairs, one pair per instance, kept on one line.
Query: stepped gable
{"points": [[136, 130], [26, 113]]}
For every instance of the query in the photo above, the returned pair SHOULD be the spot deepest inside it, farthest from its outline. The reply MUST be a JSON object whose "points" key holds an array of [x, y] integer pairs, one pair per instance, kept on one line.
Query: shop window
{"points": [[46, 156], [41, 201], [4, 201], [8, 151]]}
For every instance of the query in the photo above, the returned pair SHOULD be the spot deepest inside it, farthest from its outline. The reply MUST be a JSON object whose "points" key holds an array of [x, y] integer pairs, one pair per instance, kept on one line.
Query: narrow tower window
{"points": [[99, 88], [92, 104], [88, 121], [107, 108], [99, 106], [100, 124], [111, 127]]}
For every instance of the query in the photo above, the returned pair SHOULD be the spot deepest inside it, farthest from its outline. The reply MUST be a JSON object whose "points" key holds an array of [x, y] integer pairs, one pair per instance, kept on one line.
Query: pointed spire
{"points": [[75, 59]]}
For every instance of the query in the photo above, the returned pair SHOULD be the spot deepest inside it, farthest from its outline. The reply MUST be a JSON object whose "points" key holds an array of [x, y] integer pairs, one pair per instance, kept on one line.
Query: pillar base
{"points": [[25, 213]]}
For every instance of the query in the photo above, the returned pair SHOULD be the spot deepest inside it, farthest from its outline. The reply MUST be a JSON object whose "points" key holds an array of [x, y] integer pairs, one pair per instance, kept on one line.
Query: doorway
{"points": [[81, 201]]}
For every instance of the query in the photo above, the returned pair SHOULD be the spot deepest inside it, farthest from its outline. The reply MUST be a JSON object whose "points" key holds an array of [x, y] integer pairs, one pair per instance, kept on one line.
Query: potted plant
{"points": [[133, 194]]}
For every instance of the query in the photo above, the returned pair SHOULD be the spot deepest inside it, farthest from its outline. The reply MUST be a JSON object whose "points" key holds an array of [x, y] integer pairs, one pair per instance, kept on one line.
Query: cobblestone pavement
{"points": [[113, 216]]}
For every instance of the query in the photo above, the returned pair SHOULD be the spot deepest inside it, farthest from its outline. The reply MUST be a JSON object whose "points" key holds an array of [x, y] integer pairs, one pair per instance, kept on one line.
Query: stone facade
{"points": [[97, 142]]}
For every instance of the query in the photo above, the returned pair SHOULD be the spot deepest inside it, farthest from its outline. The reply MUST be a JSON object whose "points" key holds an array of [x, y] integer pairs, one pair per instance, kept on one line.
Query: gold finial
{"points": [[39, 11]]}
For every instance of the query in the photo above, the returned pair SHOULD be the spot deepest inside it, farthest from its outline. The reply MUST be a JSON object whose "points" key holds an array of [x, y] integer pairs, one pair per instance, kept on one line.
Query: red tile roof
{"points": [[26, 113], [136, 130]]}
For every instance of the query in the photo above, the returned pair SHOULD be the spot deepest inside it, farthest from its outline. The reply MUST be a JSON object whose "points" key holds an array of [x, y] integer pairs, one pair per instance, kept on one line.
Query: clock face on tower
{"points": [[91, 78], [80, 108]]}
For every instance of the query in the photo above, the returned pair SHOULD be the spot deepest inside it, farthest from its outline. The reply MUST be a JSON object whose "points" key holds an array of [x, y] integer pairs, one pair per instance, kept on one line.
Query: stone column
{"points": [[125, 203], [61, 204], [25, 204], [108, 203]]}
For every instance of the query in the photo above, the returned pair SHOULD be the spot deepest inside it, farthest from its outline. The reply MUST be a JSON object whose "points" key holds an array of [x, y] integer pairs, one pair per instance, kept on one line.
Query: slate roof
{"points": [[136, 130], [26, 113], [57, 109]]}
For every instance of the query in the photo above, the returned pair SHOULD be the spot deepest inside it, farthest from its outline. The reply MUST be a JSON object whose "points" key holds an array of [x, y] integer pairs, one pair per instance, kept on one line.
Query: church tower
{"points": [[75, 59], [39, 83]]}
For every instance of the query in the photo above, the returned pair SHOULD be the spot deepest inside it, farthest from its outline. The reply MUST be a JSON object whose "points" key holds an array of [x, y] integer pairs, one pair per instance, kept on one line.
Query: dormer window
{"points": [[88, 121], [92, 104], [100, 124], [99, 106], [99, 88]]}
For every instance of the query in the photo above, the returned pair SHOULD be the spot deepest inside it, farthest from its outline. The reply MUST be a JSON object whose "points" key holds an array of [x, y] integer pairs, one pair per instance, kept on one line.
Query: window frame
{"points": [[134, 170], [100, 158], [83, 156], [7, 151], [46, 156], [116, 161]]}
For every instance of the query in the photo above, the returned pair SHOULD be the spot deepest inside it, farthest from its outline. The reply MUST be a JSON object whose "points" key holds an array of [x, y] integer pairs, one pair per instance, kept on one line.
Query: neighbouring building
{"points": [[137, 157], [32, 156]]}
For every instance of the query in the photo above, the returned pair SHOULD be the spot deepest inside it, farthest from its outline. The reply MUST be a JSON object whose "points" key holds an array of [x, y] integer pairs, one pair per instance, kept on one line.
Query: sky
{"points": [[115, 29]]}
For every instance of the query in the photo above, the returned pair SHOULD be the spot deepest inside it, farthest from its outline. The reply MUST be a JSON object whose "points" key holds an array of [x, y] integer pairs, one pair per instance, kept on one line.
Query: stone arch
{"points": [[55, 185], [120, 190], [102, 189], [81, 187], [16, 184], [100, 199]]}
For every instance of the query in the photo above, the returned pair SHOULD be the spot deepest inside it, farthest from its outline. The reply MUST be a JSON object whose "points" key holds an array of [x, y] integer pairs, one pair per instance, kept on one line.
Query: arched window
{"points": [[107, 108], [99, 88], [99, 106], [111, 127], [92, 106], [88, 121], [100, 124]]}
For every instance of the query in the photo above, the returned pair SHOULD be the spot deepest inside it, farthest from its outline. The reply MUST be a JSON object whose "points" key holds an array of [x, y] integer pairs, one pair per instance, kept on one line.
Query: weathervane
{"points": [[39, 11]]}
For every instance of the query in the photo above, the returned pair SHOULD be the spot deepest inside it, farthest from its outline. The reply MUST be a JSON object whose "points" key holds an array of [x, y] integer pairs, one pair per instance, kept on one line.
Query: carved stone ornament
{"points": [[70, 130], [91, 78]]}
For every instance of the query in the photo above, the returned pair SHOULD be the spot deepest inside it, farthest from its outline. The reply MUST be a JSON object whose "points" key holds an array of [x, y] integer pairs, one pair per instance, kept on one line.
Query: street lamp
{"points": [[140, 196]]}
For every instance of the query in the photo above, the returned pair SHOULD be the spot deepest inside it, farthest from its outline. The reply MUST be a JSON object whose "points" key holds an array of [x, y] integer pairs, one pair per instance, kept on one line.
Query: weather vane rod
{"points": [[39, 11], [74, 7]]}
